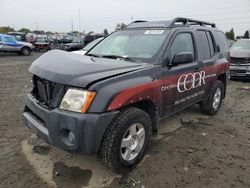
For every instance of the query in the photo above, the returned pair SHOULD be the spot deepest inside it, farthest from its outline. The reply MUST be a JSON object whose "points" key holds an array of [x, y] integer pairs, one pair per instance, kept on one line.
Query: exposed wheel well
{"points": [[149, 107], [223, 78]]}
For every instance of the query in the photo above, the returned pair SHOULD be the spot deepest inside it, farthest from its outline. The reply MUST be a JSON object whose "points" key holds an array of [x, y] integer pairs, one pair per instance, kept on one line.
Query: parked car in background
{"points": [[42, 43], [88, 47], [76, 44], [240, 59], [90, 38], [19, 36], [10, 44]]}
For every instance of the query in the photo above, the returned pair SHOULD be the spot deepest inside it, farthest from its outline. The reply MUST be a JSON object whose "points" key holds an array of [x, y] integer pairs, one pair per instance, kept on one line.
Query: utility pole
{"points": [[72, 26], [132, 18], [79, 14], [37, 26]]}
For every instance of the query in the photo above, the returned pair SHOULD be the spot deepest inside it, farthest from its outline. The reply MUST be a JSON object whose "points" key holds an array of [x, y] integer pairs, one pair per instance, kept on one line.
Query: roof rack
{"points": [[188, 22], [138, 21], [177, 22]]}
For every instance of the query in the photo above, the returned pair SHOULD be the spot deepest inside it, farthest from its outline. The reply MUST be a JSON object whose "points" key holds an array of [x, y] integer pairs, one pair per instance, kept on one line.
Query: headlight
{"points": [[77, 100]]}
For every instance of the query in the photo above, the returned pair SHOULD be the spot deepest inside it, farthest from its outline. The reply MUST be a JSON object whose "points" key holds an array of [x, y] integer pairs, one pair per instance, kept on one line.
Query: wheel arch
{"points": [[150, 108], [223, 78]]}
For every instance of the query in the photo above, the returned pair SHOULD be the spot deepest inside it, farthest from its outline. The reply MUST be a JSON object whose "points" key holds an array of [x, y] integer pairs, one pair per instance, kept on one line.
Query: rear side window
{"points": [[221, 42], [182, 43], [204, 45], [211, 45]]}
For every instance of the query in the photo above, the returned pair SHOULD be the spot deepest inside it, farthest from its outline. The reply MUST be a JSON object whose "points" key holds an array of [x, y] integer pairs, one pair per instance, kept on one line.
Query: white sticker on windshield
{"points": [[154, 32]]}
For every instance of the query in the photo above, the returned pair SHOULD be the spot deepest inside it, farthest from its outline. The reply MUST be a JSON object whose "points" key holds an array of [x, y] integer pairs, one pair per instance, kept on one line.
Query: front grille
{"points": [[239, 61], [47, 93], [237, 71]]}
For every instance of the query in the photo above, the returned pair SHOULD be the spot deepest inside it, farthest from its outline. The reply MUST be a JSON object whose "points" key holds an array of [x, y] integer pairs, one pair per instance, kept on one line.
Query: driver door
{"points": [[184, 79]]}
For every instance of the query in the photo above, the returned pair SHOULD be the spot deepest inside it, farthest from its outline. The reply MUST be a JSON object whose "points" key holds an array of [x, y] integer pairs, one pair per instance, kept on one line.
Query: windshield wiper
{"points": [[93, 55], [119, 57]]}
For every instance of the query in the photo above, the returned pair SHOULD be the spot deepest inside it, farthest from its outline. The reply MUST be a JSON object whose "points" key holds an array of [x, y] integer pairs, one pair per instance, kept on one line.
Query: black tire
{"points": [[207, 105], [110, 149], [25, 51], [48, 48]]}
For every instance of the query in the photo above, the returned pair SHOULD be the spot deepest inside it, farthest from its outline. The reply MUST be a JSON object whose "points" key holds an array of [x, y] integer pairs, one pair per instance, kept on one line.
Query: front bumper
{"points": [[55, 125], [239, 71]]}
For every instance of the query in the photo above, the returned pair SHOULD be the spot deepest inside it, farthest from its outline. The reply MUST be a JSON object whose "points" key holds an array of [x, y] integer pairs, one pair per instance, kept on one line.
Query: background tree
{"points": [[48, 33], [5, 30], [24, 30], [105, 32], [246, 35], [120, 26], [230, 35]]}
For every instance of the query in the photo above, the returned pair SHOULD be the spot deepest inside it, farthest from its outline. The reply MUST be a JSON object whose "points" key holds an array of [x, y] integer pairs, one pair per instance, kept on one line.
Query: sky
{"points": [[96, 15]]}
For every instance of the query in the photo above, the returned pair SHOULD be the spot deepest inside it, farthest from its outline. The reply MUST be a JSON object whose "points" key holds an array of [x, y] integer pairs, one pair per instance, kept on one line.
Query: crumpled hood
{"points": [[79, 70], [240, 53]]}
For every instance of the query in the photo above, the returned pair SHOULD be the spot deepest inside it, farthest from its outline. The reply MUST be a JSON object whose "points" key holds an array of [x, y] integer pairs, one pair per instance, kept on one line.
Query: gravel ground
{"points": [[191, 150]]}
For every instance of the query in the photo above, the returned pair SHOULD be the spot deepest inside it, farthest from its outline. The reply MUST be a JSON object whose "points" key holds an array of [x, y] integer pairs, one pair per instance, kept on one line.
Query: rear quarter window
{"points": [[221, 42], [204, 45]]}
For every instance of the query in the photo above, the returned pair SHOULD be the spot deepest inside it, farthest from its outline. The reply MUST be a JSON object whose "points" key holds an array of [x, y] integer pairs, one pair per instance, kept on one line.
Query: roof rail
{"points": [[188, 22], [138, 21]]}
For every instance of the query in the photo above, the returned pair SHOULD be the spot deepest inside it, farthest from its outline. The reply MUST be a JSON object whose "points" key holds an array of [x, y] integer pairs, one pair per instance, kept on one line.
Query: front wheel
{"points": [[213, 103], [126, 139], [25, 51]]}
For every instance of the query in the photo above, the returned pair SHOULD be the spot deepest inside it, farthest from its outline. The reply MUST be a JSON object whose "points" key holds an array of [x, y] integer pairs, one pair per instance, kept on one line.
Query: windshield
{"points": [[142, 45], [41, 39], [241, 45], [90, 45], [77, 40]]}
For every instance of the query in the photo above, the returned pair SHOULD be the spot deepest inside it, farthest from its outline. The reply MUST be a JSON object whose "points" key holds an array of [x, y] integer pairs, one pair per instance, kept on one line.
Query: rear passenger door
{"points": [[206, 57]]}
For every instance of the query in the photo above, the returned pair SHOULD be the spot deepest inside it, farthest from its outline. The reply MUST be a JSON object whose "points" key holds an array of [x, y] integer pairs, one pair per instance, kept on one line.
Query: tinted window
{"points": [[9, 39], [0, 38], [221, 41], [211, 44], [204, 45], [182, 43]]}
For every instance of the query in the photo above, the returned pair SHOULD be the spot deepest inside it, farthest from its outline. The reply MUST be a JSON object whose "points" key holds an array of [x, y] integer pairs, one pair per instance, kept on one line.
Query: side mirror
{"points": [[183, 57]]}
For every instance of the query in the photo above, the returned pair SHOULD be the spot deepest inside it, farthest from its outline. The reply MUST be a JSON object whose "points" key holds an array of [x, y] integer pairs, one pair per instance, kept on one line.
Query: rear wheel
{"points": [[25, 51], [126, 139], [213, 103]]}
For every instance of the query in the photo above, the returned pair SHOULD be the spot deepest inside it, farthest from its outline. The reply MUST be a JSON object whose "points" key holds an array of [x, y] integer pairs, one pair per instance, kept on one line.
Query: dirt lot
{"points": [[191, 150]]}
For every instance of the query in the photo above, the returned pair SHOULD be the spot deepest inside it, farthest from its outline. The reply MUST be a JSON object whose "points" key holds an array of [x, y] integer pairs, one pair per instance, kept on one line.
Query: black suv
{"points": [[110, 100]]}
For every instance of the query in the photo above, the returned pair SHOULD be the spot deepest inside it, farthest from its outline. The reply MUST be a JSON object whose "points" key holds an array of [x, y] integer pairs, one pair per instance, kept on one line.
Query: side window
{"points": [[8, 39], [204, 45], [183, 42], [221, 41], [211, 45], [0, 38]]}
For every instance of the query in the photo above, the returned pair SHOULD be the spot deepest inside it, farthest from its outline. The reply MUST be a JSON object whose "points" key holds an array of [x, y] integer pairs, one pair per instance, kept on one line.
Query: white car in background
{"points": [[88, 47]]}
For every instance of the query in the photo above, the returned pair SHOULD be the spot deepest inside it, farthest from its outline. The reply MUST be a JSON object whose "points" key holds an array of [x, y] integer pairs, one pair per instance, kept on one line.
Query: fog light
{"points": [[68, 137]]}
